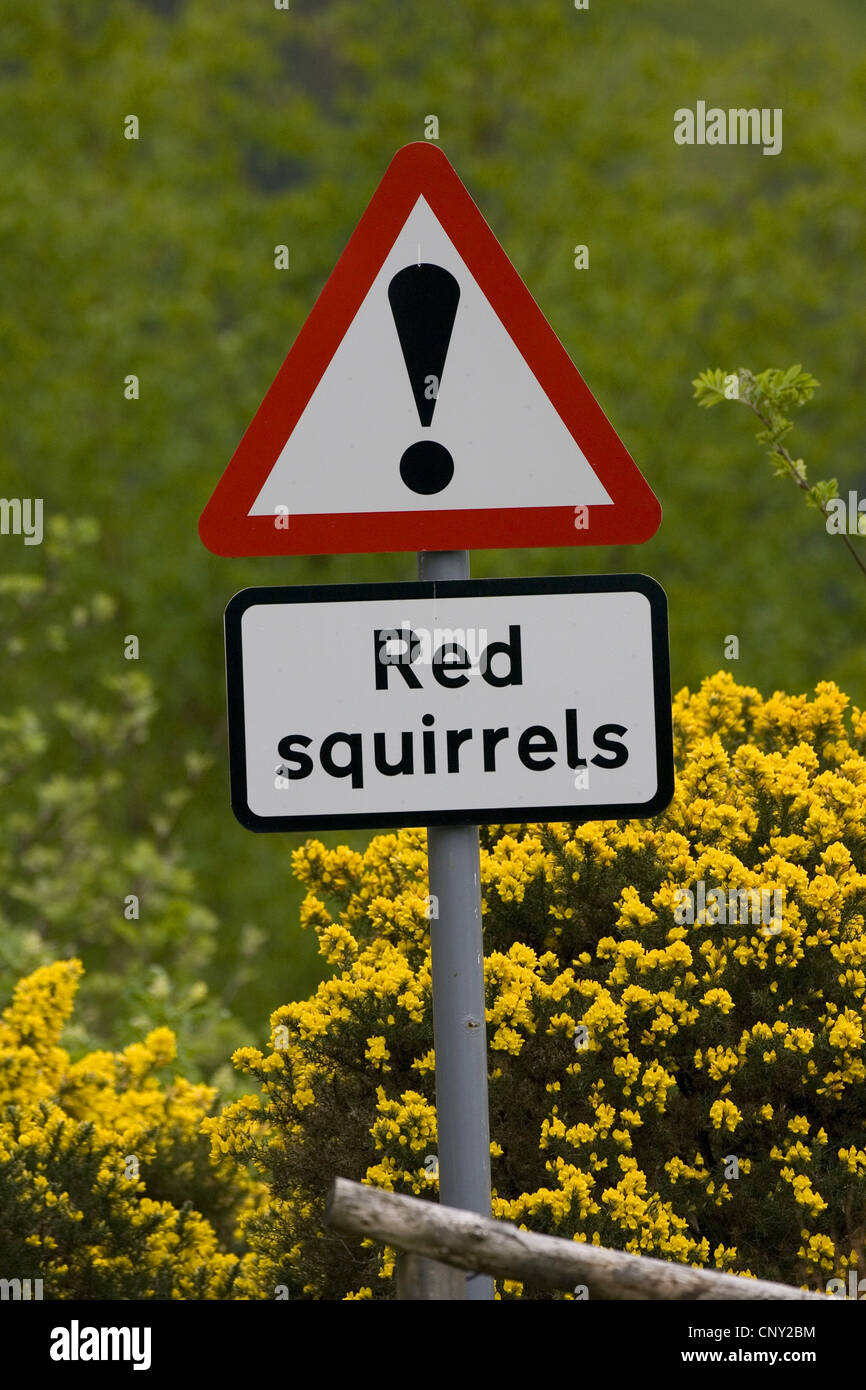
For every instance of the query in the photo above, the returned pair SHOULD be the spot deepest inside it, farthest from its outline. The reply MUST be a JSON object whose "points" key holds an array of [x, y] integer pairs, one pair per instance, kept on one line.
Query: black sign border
{"points": [[451, 588]]}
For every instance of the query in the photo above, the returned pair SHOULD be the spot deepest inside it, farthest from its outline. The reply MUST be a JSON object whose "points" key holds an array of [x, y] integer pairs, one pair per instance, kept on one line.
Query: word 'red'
{"points": [[424, 750]]}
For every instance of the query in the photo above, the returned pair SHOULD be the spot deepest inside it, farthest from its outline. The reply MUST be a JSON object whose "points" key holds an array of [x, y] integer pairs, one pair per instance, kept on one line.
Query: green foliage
{"points": [[261, 127], [770, 395], [75, 847]]}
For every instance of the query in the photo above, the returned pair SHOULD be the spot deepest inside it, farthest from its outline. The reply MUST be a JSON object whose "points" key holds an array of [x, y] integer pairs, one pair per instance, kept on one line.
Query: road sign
{"points": [[426, 404], [449, 702]]}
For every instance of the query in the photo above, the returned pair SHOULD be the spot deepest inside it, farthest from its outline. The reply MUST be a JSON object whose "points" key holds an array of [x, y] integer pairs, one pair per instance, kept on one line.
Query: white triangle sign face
{"points": [[426, 404], [509, 446]]}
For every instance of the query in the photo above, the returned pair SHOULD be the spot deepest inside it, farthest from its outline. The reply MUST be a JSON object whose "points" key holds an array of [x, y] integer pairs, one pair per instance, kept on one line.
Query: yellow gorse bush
{"points": [[692, 1090], [106, 1183]]}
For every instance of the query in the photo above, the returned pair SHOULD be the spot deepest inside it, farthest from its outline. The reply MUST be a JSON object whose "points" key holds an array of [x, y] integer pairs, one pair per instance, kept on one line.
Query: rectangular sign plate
{"points": [[470, 701]]}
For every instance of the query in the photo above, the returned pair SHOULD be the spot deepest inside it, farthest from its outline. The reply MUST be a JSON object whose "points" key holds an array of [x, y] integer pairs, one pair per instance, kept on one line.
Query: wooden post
{"points": [[421, 1278], [471, 1242]]}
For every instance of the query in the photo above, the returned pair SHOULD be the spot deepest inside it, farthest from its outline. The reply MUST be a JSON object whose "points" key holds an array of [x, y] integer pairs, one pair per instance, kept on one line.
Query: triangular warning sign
{"points": [[426, 404]]}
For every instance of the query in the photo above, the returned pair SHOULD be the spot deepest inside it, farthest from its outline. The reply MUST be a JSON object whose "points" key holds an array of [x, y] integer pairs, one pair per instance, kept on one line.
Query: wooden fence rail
{"points": [[441, 1241]]}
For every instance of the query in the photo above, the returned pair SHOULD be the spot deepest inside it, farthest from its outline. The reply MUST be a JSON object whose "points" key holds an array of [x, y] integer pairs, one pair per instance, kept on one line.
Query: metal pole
{"points": [[459, 1029]]}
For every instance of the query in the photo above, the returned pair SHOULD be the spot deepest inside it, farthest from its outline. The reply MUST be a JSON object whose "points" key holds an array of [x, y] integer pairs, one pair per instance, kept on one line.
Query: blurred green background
{"points": [[156, 257]]}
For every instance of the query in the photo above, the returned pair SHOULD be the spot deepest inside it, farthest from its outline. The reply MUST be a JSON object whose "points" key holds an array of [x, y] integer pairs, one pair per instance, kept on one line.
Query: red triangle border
{"points": [[417, 170]]}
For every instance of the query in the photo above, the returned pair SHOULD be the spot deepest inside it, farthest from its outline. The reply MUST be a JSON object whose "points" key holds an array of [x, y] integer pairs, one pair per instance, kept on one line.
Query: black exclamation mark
{"points": [[423, 300]]}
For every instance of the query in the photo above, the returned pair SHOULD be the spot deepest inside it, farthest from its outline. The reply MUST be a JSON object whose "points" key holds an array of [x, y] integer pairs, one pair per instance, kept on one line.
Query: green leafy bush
{"points": [[85, 869]]}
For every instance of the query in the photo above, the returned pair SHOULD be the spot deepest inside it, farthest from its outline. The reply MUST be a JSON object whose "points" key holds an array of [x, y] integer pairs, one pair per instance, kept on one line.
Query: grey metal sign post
{"points": [[538, 463], [459, 1027]]}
